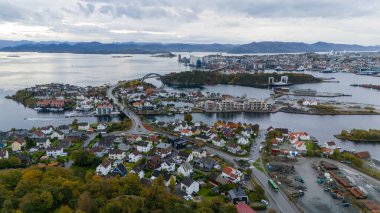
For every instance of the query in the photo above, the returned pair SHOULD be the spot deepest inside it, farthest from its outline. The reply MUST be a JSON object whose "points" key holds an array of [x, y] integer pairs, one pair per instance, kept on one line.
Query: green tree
{"points": [[85, 202], [172, 184], [131, 184], [188, 117]]}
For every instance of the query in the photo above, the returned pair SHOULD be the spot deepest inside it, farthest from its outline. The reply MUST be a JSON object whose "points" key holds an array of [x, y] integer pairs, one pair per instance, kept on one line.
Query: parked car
{"points": [[265, 202], [188, 197]]}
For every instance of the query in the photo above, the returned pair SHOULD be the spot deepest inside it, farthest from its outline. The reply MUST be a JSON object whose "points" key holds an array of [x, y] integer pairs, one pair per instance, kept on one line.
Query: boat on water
{"points": [[328, 70], [38, 109]]}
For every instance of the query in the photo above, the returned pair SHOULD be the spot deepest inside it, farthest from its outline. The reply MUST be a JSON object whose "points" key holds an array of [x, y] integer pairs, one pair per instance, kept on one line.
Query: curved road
{"points": [[137, 126]]}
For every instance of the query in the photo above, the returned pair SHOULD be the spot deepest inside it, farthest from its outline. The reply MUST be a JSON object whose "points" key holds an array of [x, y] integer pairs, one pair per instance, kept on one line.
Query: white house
{"points": [[302, 136], [243, 141], [232, 174], [4, 154], [104, 168], [83, 126], [186, 132], [330, 145], [55, 152], [185, 169], [309, 103], [300, 145], [57, 134], [189, 186], [101, 127], [139, 171], [144, 146], [218, 142], [116, 154], [185, 156], [168, 165], [47, 130], [43, 143], [135, 156], [200, 153]]}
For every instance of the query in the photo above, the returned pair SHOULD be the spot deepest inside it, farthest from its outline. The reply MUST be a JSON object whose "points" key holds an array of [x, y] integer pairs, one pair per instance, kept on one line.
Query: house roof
{"points": [[163, 145], [121, 169], [363, 155], [244, 208], [96, 149], [106, 163], [115, 152], [187, 166], [238, 192], [187, 181], [142, 143]]}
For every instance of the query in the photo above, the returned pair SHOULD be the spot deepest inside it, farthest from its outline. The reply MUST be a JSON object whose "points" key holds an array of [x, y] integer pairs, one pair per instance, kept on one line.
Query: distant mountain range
{"points": [[153, 48]]}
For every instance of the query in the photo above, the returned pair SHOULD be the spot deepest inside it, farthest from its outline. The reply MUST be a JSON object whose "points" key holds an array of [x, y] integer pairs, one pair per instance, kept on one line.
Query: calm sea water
{"points": [[37, 68]]}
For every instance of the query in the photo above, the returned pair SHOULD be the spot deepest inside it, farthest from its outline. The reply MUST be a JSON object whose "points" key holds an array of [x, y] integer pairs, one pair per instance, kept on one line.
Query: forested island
{"points": [[360, 135], [259, 80]]}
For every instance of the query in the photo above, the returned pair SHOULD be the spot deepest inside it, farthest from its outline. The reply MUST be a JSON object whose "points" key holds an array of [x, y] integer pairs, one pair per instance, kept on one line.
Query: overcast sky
{"points": [[192, 21]]}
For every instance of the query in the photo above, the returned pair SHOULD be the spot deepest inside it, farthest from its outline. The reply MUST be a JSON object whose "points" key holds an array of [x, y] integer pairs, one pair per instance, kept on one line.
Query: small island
{"points": [[259, 80], [164, 55], [360, 135]]}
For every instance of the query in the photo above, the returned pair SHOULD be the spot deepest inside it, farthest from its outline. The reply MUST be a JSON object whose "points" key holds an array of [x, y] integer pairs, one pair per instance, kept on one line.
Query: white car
{"points": [[265, 202], [188, 197]]}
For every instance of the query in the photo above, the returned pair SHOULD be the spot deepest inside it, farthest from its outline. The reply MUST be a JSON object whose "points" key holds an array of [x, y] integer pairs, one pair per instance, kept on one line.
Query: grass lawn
{"points": [[257, 165]]}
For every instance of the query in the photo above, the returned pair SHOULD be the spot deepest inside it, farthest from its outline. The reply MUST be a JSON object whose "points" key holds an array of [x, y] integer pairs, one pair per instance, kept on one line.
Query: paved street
{"points": [[137, 126]]}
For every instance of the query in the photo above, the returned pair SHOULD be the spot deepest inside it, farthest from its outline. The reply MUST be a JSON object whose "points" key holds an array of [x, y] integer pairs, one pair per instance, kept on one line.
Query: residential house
{"points": [[106, 142], [189, 186], [76, 136], [163, 150], [116, 154], [203, 137], [206, 163], [138, 170], [18, 144], [217, 179], [238, 195], [34, 149], [302, 136], [83, 126], [299, 145], [330, 145], [243, 141], [55, 152], [47, 130], [64, 128], [199, 153], [154, 162], [143, 146], [65, 143], [104, 168], [362, 155], [185, 169], [233, 148], [4, 154], [125, 145], [185, 156], [218, 142], [37, 134], [177, 143], [120, 170], [168, 165], [232, 174], [186, 132], [134, 156], [99, 151], [58, 135], [43, 143], [101, 127]]}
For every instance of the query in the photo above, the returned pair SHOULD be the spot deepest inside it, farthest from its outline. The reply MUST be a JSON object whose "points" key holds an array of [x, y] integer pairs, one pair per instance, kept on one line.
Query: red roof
{"points": [[244, 208]]}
